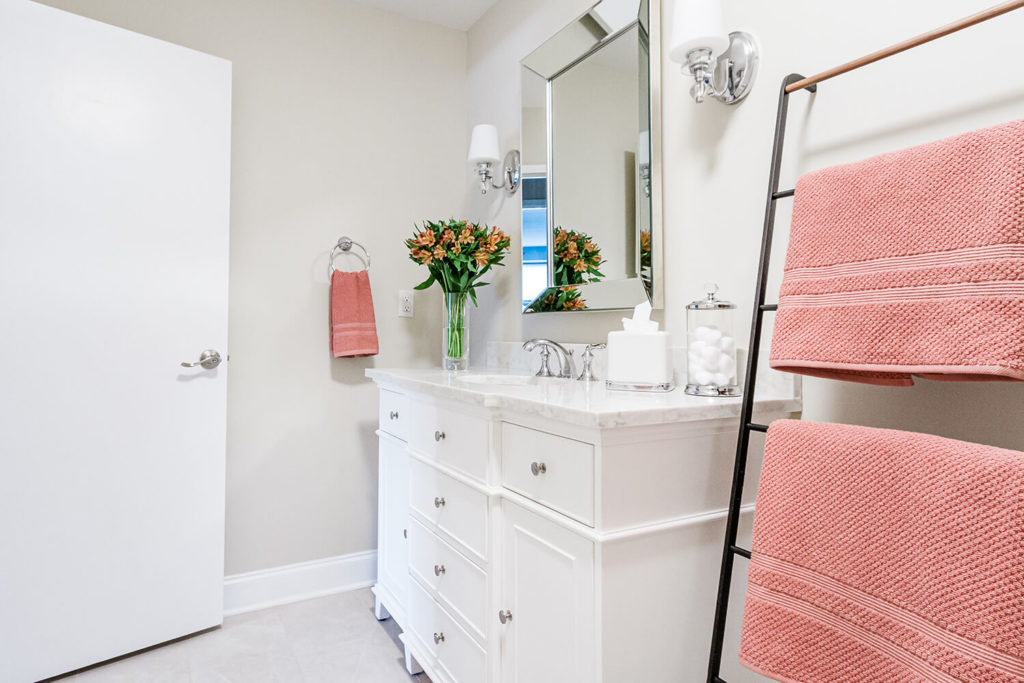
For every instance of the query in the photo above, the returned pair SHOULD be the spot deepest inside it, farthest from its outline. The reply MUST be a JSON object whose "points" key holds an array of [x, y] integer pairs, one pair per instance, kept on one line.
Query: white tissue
{"points": [[711, 356], [641, 320]]}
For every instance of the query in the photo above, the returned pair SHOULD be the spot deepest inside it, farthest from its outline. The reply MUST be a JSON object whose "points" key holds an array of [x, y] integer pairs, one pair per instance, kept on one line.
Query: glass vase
{"points": [[455, 335]]}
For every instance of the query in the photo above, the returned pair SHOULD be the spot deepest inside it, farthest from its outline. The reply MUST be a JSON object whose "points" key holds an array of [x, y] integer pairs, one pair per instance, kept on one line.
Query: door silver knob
{"points": [[439, 502], [439, 569], [438, 436], [393, 414], [538, 468], [438, 638], [504, 616], [208, 359]]}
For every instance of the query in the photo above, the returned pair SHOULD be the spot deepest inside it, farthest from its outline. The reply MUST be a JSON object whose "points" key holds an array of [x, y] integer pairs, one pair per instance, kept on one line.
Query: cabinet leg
{"points": [[379, 610], [411, 665]]}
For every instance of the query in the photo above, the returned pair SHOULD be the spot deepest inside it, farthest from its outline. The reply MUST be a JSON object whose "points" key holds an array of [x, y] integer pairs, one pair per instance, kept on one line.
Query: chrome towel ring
{"points": [[345, 245]]}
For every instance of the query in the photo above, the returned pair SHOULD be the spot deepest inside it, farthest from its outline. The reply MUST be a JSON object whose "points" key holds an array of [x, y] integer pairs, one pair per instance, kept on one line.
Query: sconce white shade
{"points": [[697, 24], [483, 146]]}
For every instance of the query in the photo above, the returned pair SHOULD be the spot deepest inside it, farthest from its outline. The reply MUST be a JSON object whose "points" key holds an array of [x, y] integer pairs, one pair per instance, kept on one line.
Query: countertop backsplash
{"points": [[510, 357]]}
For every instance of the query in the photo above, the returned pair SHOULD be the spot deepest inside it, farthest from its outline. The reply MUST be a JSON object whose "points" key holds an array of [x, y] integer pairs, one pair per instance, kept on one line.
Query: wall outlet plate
{"points": [[406, 303]]}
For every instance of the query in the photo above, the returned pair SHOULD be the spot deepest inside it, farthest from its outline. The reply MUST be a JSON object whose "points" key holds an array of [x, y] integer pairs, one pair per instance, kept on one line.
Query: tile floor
{"points": [[334, 639]]}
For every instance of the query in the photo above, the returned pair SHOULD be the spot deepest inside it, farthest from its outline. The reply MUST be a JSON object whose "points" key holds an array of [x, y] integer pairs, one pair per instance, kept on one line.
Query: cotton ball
{"points": [[705, 377], [721, 380], [707, 334], [727, 343], [726, 365], [697, 346], [710, 356]]}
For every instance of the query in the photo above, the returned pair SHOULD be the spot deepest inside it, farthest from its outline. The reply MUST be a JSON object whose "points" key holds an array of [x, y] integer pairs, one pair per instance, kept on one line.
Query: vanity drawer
{"points": [[552, 470], [451, 436], [458, 655], [394, 414], [455, 581], [450, 506]]}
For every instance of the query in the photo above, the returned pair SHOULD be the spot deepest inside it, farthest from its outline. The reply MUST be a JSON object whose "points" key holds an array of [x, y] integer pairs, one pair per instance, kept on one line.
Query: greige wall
{"points": [[716, 163], [347, 120]]}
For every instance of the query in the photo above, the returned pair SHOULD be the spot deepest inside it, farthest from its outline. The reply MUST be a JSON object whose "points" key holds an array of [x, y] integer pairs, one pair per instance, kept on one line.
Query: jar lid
{"points": [[711, 301]]}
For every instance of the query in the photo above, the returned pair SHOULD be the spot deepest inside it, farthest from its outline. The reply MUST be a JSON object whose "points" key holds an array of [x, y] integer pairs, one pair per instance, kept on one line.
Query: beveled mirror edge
{"points": [[654, 36], [656, 294]]}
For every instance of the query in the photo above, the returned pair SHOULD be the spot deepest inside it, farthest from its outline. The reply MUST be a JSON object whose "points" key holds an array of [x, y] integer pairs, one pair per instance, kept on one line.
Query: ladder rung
{"points": [[757, 427], [784, 193], [743, 552], [769, 307]]}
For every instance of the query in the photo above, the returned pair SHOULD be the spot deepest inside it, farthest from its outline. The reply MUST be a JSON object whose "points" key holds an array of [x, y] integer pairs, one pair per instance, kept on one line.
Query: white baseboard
{"points": [[280, 585]]}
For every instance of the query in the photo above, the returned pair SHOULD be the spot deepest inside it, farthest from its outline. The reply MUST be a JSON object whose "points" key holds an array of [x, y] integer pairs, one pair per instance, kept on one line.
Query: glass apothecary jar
{"points": [[711, 346]]}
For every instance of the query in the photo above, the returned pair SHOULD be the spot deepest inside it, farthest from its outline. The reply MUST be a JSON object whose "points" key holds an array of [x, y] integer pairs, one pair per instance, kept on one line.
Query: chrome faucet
{"points": [[546, 346]]}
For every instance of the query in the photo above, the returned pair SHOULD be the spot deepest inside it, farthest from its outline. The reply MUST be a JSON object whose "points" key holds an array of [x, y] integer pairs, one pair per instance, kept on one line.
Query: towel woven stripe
{"points": [[865, 637], [1005, 663], [966, 255]]}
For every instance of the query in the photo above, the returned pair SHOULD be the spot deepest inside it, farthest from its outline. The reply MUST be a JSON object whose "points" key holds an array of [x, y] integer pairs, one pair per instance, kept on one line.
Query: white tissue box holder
{"points": [[640, 361]]}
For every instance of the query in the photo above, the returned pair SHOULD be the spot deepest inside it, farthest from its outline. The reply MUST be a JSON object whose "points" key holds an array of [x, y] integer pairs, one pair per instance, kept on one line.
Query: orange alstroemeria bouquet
{"points": [[457, 254]]}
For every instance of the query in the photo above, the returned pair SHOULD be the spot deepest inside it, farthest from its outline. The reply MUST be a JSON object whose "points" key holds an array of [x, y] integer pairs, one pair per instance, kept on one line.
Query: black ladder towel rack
{"points": [[790, 84]]}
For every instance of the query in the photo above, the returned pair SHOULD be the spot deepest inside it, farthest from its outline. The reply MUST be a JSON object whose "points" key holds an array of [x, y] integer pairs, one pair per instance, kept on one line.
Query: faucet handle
{"points": [[587, 373], [545, 352]]}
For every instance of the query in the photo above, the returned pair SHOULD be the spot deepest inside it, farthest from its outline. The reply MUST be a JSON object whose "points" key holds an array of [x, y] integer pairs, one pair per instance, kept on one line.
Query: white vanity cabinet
{"points": [[559, 534]]}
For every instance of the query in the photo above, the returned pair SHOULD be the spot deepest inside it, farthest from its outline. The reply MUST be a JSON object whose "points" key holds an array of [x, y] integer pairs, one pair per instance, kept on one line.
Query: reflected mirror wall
{"points": [[591, 185]]}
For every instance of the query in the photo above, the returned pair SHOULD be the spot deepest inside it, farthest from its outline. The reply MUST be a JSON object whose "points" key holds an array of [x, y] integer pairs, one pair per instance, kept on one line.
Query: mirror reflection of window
{"points": [[535, 237]]}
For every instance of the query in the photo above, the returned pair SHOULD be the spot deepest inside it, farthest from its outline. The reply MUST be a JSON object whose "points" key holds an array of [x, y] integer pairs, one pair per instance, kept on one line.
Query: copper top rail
{"points": [[984, 15]]}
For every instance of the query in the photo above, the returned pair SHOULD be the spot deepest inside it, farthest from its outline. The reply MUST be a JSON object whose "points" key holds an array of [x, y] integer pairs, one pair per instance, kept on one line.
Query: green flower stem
{"points": [[455, 302]]}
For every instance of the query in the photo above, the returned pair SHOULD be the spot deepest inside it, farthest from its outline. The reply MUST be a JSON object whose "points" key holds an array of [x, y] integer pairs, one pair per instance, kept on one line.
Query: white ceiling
{"points": [[460, 14]]}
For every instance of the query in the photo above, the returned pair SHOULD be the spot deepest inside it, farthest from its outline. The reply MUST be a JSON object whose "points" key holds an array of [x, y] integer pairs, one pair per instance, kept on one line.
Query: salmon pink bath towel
{"points": [[353, 326], [882, 556], [909, 263]]}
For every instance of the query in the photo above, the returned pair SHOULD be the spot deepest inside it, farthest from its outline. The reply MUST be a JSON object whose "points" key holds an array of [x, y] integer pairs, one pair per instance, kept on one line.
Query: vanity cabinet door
{"points": [[393, 522], [548, 586]]}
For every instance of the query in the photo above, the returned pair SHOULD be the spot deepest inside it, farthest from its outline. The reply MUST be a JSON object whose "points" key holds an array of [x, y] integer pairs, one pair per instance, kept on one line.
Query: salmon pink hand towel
{"points": [[882, 556], [353, 326], [909, 263]]}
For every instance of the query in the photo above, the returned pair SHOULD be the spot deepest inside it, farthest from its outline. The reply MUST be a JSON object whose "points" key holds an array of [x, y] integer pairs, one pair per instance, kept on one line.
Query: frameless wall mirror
{"points": [[591, 176]]}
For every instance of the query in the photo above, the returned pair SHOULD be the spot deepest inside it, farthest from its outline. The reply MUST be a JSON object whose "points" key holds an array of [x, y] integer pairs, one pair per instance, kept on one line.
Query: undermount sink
{"points": [[496, 379]]}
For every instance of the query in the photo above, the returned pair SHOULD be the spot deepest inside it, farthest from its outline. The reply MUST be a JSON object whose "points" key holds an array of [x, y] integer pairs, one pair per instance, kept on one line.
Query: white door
{"points": [[548, 586], [114, 176]]}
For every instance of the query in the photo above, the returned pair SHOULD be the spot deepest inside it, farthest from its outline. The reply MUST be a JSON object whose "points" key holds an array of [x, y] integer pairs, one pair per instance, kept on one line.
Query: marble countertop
{"points": [[588, 404]]}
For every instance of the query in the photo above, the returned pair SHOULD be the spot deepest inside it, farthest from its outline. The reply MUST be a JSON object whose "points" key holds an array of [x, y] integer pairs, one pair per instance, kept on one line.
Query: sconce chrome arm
{"points": [[511, 174], [728, 78]]}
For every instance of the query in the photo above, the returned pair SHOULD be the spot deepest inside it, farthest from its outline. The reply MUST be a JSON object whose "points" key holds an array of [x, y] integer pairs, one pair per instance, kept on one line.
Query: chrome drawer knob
{"points": [[504, 616], [538, 468], [439, 502], [439, 569], [438, 436], [405, 533], [393, 414], [438, 638]]}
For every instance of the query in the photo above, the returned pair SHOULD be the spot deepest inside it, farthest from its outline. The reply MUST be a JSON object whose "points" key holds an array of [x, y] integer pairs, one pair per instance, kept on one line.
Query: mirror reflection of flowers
{"points": [[565, 298], [576, 258]]}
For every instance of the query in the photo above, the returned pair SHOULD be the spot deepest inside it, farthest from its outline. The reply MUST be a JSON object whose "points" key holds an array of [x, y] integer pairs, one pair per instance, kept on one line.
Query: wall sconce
{"points": [[484, 151], [723, 66]]}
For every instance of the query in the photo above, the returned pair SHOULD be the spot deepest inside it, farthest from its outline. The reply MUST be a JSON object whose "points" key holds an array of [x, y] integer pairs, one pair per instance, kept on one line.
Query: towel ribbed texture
{"points": [[882, 556], [353, 326], [909, 263]]}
